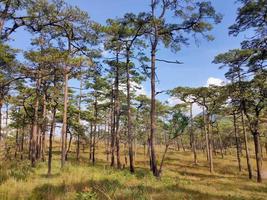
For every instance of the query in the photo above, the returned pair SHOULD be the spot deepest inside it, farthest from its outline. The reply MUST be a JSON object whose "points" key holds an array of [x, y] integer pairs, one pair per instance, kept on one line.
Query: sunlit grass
{"points": [[181, 179]]}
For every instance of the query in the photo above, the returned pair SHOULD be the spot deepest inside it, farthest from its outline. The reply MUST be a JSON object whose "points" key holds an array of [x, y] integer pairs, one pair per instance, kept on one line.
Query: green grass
{"points": [[180, 180]]}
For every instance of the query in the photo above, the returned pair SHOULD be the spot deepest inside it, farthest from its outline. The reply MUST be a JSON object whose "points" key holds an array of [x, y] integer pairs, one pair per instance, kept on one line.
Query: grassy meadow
{"points": [[181, 179]]}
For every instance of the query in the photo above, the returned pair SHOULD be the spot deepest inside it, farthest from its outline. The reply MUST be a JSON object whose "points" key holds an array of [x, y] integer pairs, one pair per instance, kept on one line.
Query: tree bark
{"points": [[256, 137], [79, 120], [117, 112], [95, 125], [64, 125], [153, 112], [237, 144], [206, 134], [52, 131], [69, 147], [91, 142], [246, 146], [33, 141], [192, 134], [210, 147], [112, 129], [1, 105], [163, 158], [44, 128], [129, 117], [22, 142]]}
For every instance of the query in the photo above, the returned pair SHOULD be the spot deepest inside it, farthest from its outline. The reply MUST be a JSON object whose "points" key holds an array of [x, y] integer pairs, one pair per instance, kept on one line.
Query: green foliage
{"points": [[89, 195], [20, 171], [3, 174]]}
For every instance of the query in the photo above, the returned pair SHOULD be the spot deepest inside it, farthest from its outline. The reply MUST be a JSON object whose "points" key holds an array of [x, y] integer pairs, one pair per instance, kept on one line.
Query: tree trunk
{"points": [[1, 105], [6, 127], [52, 131], [112, 130], [118, 152], [44, 128], [33, 141], [153, 111], [129, 117], [22, 143], [17, 142], [192, 134], [69, 146], [79, 121], [256, 137], [91, 142], [206, 134], [221, 144], [163, 158], [209, 132], [246, 146], [237, 144], [64, 125], [117, 113]]}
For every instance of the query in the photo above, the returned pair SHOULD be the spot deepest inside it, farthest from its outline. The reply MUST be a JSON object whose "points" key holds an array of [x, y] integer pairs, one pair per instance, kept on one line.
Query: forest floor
{"points": [[181, 179]]}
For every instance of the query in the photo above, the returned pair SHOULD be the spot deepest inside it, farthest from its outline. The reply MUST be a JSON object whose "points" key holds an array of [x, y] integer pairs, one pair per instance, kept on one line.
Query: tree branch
{"points": [[170, 62]]}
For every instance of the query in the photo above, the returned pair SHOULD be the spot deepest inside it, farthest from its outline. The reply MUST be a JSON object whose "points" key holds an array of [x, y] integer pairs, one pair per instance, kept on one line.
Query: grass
{"points": [[180, 180]]}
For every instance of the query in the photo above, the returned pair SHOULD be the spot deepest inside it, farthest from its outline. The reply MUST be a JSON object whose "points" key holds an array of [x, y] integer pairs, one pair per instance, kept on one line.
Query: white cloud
{"points": [[172, 101], [196, 109], [214, 81], [138, 89]]}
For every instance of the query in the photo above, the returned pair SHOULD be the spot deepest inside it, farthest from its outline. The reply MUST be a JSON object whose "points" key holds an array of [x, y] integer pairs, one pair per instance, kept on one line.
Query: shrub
{"points": [[88, 195]]}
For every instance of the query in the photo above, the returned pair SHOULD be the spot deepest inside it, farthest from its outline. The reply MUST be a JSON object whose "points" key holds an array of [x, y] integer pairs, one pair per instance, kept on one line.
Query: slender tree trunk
{"points": [[125, 155], [192, 134], [118, 152], [69, 147], [79, 121], [256, 137], [129, 117], [95, 125], [112, 130], [163, 158], [221, 144], [91, 142], [64, 125], [1, 105], [44, 128], [182, 143], [149, 153], [33, 142], [210, 144], [39, 143], [22, 143], [17, 142], [246, 146], [52, 131], [206, 134], [153, 111], [237, 143], [117, 113], [7, 116]]}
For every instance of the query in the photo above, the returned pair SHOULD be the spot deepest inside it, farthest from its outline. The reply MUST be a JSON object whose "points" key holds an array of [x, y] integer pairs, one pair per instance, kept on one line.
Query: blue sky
{"points": [[197, 67]]}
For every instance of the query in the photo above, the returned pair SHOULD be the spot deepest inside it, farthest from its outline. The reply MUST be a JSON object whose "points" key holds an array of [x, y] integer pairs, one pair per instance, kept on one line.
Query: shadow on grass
{"points": [[55, 175], [114, 189], [104, 188]]}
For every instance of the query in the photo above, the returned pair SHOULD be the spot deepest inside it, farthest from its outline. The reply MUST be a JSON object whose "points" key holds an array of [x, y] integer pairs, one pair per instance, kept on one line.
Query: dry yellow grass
{"points": [[180, 180]]}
